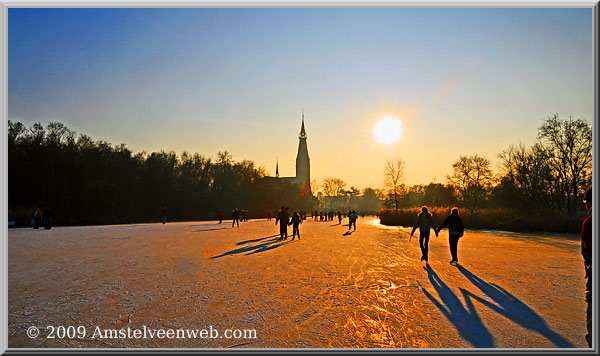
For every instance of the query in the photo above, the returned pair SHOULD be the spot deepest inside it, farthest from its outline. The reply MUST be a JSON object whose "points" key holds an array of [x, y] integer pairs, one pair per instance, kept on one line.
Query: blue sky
{"points": [[463, 81]]}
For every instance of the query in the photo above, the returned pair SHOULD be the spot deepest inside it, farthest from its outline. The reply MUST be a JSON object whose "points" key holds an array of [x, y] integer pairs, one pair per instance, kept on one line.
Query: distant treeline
{"points": [[85, 181], [539, 188], [491, 218]]}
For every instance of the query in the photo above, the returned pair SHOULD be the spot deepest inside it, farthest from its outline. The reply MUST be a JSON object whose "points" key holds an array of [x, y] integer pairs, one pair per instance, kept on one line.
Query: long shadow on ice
{"points": [[466, 321], [220, 228], [255, 240], [249, 250], [511, 307]]}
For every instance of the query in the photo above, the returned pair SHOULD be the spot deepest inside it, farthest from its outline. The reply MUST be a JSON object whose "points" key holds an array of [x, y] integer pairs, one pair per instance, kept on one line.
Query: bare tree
{"points": [[527, 178], [570, 142], [353, 191], [472, 178], [394, 175], [333, 186], [314, 186]]}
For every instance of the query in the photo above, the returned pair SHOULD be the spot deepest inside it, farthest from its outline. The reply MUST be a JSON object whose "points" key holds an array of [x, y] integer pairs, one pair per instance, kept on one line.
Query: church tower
{"points": [[303, 162]]}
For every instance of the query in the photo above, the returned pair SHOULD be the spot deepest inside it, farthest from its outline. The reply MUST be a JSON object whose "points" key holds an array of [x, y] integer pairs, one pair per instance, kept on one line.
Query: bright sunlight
{"points": [[388, 130]]}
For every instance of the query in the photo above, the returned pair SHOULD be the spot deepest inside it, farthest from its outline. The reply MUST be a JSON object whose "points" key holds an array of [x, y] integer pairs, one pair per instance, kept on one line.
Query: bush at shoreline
{"points": [[489, 218]]}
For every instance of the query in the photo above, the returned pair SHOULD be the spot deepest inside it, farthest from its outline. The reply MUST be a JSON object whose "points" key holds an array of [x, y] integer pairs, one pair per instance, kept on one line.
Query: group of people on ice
{"points": [[425, 224], [283, 217], [329, 215], [42, 219]]}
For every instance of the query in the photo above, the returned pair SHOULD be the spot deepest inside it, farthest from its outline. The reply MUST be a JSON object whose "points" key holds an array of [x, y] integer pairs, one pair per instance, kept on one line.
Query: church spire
{"points": [[277, 168], [302, 131]]}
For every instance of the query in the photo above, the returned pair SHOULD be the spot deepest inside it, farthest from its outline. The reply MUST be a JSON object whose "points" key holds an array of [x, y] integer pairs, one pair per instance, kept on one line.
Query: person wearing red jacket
{"points": [[586, 251]]}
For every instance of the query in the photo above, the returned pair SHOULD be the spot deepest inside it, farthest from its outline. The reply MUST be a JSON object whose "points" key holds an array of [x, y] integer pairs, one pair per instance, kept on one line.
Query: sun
{"points": [[388, 130]]}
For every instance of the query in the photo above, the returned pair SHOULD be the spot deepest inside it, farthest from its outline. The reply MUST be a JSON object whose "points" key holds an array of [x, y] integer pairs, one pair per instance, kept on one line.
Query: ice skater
{"points": [[296, 221], [352, 218], [586, 252], [455, 231], [235, 215], [47, 218], [339, 217], [284, 218], [37, 218], [221, 215], [424, 223]]}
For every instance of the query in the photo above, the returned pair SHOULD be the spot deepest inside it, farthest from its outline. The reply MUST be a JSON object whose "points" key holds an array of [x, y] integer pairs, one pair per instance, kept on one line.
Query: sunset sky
{"points": [[462, 81]]}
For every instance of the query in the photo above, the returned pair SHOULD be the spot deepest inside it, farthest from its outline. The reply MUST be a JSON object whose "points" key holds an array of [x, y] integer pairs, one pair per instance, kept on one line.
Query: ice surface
{"points": [[366, 289]]}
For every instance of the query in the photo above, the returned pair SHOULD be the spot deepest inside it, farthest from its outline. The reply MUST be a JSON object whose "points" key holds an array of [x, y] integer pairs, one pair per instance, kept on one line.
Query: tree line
{"points": [[86, 181], [548, 177]]}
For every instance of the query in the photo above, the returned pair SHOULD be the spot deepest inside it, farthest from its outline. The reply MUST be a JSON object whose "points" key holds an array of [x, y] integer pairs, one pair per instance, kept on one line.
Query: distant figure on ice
{"points": [[296, 221], [340, 217], [586, 251], [455, 232], [235, 216], [424, 223], [221, 216], [352, 218], [269, 215], [321, 216], [284, 217], [37, 218], [164, 214], [47, 217]]}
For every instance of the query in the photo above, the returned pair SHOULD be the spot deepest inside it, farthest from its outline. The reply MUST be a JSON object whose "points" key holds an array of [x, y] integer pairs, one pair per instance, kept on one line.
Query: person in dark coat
{"points": [[455, 231], [221, 215], [586, 252], [235, 215], [284, 217], [164, 214], [37, 218], [296, 221], [48, 216], [339, 217], [425, 224], [352, 218]]}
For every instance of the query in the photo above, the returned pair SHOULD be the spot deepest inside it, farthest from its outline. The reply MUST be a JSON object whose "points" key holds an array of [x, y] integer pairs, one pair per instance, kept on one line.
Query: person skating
{"points": [[284, 217], [37, 218], [221, 215], [424, 223], [352, 218], [339, 217], [47, 218], [586, 252], [235, 215], [296, 221], [455, 232]]}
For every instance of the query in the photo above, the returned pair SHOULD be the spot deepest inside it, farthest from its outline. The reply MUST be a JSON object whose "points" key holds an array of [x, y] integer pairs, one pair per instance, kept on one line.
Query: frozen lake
{"points": [[331, 289]]}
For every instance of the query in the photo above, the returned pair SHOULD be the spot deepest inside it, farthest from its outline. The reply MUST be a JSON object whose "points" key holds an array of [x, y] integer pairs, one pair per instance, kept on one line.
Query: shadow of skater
{"points": [[265, 246], [467, 322], [221, 228], [512, 308], [255, 240], [347, 233]]}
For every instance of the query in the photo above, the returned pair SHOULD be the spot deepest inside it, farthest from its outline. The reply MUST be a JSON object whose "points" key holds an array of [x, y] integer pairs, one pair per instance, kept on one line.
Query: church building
{"points": [[302, 178]]}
